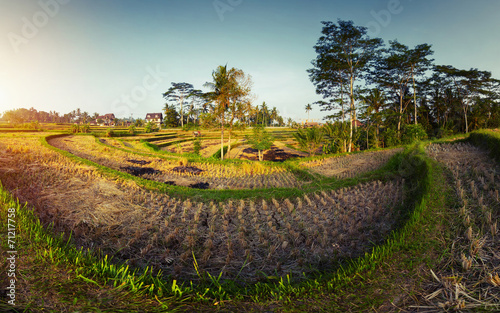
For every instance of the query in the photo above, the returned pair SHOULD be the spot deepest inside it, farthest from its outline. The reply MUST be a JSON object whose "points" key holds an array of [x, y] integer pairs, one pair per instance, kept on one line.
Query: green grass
{"points": [[487, 140]]}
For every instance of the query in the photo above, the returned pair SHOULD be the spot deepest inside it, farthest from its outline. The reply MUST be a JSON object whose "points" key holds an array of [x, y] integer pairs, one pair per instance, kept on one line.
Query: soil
{"points": [[138, 171], [140, 162], [200, 186], [187, 169], [274, 154]]}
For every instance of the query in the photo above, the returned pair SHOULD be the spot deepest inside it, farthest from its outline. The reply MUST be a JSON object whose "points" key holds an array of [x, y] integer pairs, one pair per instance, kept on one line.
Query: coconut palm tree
{"points": [[374, 101], [308, 109]]}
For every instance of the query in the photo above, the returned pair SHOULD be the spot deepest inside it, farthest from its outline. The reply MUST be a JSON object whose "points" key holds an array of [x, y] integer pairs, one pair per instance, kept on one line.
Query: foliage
{"points": [[413, 133], [75, 128], [230, 91], [487, 140], [178, 94], [260, 140], [345, 52], [171, 118], [391, 137], [85, 128], [151, 127], [309, 139], [139, 122], [397, 68], [337, 134], [208, 121], [109, 132], [132, 129], [197, 145]]}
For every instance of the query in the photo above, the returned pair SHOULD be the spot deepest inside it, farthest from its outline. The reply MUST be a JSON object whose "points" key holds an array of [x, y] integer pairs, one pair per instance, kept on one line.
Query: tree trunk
{"points": [[182, 114], [400, 112], [351, 114], [222, 139], [229, 141], [414, 95], [466, 123], [367, 144]]}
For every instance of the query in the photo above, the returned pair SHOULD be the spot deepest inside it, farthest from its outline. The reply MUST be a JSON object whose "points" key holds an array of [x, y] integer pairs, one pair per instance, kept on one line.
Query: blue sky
{"points": [[119, 56]]}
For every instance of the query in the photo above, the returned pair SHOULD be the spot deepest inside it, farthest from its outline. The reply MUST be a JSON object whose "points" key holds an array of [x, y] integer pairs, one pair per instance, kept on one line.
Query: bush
{"points": [[391, 138], [443, 132], [309, 139], [151, 127], [109, 132], [132, 129], [260, 140], [85, 128], [487, 140], [197, 146], [412, 133], [75, 128], [337, 134]]}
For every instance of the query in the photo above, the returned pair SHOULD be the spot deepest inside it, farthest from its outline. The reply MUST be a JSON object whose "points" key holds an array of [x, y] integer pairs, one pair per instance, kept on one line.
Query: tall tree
{"points": [[308, 109], [229, 89], [264, 110], [396, 68], [178, 94], [374, 101], [469, 85], [344, 53], [274, 115]]}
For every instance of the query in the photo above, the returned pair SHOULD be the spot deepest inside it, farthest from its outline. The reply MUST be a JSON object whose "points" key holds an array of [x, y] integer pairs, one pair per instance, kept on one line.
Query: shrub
{"points": [[412, 133], [197, 146], [85, 128], [391, 138], [75, 128], [150, 127], [260, 140], [443, 132], [337, 135], [109, 132], [309, 139], [132, 129]]}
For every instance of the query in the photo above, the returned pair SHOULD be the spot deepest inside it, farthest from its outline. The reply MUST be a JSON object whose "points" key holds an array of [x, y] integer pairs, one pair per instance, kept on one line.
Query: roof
{"points": [[154, 115], [357, 123], [106, 116]]}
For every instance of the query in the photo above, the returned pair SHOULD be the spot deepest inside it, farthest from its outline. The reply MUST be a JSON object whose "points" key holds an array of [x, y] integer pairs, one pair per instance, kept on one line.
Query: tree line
{"points": [[187, 106], [394, 90]]}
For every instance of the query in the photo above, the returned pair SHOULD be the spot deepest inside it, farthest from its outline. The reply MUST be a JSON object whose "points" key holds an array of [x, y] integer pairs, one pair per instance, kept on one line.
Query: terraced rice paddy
{"points": [[246, 176], [244, 238], [471, 280], [350, 165]]}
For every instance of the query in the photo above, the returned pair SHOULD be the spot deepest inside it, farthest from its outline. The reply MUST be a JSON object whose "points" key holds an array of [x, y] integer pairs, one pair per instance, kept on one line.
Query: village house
{"points": [[155, 118], [105, 120]]}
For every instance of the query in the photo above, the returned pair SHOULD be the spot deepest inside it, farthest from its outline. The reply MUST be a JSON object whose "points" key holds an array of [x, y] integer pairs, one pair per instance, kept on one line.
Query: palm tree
{"points": [[265, 111], [220, 95], [309, 139], [375, 100], [274, 115], [308, 109], [230, 92]]}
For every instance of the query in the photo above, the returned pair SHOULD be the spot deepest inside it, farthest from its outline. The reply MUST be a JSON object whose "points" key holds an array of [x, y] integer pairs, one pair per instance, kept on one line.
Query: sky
{"points": [[120, 56]]}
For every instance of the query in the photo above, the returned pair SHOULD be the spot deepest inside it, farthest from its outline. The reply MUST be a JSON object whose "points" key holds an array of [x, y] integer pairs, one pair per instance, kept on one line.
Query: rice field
{"points": [[278, 222], [170, 170], [244, 238], [472, 279], [349, 166]]}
